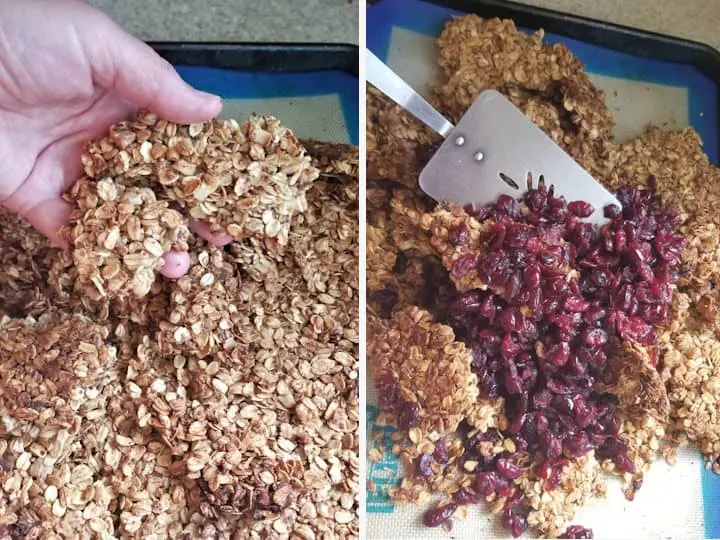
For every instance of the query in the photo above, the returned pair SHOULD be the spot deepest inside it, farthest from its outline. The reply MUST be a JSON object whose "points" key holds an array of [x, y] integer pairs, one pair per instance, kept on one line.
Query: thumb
{"points": [[136, 73]]}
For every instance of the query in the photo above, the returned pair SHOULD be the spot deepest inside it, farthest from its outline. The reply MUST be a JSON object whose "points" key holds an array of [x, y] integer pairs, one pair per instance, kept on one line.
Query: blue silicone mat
{"points": [[321, 105], [401, 31]]}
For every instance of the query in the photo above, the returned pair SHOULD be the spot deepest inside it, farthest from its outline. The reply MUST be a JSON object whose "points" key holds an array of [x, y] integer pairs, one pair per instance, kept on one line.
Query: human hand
{"points": [[67, 72]]}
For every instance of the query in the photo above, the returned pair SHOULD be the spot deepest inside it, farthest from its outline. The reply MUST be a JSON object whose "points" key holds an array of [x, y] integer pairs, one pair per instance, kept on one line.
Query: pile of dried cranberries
{"points": [[561, 294]]}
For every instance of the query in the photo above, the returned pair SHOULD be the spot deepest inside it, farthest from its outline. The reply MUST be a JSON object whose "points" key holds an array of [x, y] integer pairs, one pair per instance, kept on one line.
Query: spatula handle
{"points": [[390, 84]]}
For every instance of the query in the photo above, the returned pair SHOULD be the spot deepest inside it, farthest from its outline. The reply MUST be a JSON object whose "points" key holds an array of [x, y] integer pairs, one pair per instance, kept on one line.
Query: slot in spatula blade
{"points": [[491, 151]]}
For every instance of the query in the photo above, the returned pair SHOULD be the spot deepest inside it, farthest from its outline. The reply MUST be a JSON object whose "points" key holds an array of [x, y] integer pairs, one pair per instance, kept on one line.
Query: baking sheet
{"points": [[675, 502], [313, 89]]}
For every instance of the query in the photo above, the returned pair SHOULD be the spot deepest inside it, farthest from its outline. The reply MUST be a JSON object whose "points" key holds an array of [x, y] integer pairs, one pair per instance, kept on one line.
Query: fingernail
{"points": [[216, 101]]}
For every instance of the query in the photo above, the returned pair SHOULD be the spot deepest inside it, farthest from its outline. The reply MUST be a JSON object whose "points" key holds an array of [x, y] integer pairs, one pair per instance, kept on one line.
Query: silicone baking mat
{"points": [[681, 501], [312, 89]]}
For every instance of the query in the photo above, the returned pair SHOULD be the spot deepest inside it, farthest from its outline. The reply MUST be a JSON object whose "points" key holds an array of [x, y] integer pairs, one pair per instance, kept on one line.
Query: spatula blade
{"points": [[495, 140]]}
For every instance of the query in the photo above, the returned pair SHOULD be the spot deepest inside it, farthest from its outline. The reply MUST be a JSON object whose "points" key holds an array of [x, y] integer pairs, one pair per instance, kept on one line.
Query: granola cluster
{"points": [[223, 404], [119, 236], [668, 395], [425, 366], [246, 180]]}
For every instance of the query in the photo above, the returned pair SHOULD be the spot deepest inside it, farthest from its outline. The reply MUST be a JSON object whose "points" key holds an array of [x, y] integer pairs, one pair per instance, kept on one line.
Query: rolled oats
{"points": [[246, 180], [398, 145], [119, 235], [428, 366], [223, 404]]}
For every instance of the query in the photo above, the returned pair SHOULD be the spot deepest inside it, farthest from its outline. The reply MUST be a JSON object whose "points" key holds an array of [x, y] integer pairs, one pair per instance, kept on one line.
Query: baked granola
{"points": [[666, 394], [222, 404]]}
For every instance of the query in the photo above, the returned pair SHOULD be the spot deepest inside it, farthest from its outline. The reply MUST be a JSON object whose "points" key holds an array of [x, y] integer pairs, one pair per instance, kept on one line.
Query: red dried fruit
{"points": [[612, 211], [510, 319], [577, 531], [532, 276], [508, 206], [635, 329], [508, 468], [434, 517], [559, 354], [487, 307], [466, 496], [463, 265], [489, 482], [575, 304], [581, 208], [441, 455], [459, 235], [408, 415], [594, 337], [509, 347], [515, 522]]}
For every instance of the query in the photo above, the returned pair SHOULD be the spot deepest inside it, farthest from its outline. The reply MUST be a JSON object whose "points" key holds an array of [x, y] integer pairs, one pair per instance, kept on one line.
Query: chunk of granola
{"points": [[448, 224], [119, 235], [246, 180], [547, 82], [398, 145], [552, 509], [429, 367]]}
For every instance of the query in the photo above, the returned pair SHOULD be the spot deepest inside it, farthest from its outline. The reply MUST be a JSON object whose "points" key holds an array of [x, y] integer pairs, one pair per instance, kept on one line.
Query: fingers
{"points": [[133, 70], [203, 230], [177, 264], [48, 217]]}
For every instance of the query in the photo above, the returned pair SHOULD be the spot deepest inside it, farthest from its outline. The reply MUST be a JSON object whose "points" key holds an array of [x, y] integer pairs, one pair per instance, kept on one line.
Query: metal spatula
{"points": [[490, 151]]}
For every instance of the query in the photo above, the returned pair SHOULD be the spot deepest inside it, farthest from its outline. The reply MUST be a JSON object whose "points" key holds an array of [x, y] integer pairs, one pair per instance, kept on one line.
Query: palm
{"points": [[56, 155], [66, 74], [48, 161]]}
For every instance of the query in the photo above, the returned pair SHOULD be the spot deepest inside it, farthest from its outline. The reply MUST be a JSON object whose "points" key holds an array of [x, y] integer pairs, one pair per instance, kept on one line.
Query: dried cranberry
{"points": [[466, 496], [635, 329], [459, 235], [513, 381], [577, 531], [515, 522], [508, 206], [439, 515], [508, 468], [513, 286], [517, 236], [581, 208], [489, 482], [612, 211], [463, 265], [510, 319], [576, 304], [509, 346], [559, 354], [594, 315], [578, 444], [423, 465], [487, 307], [594, 337], [408, 415], [440, 454]]}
